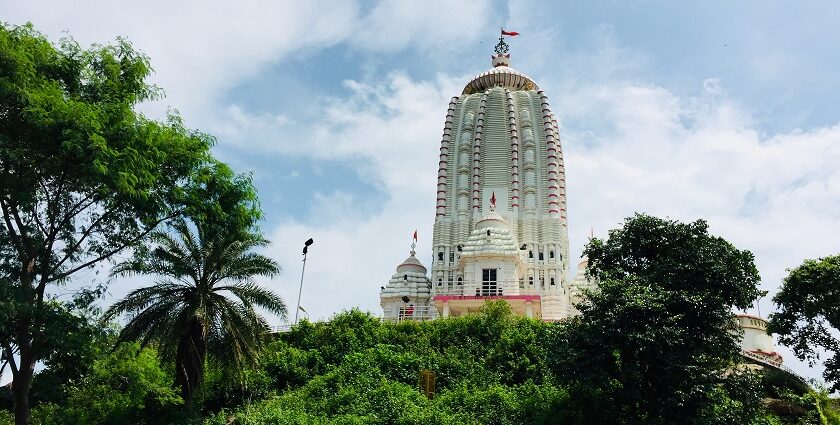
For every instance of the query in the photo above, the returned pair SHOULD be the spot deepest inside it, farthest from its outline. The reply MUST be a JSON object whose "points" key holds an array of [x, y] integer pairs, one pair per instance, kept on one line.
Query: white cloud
{"points": [[201, 49], [394, 130], [198, 50], [392, 25]]}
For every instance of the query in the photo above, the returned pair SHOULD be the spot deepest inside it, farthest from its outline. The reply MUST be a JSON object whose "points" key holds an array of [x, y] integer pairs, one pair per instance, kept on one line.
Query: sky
{"points": [[725, 111]]}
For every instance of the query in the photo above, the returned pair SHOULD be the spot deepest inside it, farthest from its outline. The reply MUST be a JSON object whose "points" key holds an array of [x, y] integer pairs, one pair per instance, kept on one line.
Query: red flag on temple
{"points": [[510, 33], [415, 236], [493, 199]]}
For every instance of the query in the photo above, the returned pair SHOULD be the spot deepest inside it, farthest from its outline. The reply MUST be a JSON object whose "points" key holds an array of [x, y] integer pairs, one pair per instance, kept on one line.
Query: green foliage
{"points": [[653, 341], [83, 176], [205, 304], [809, 313], [127, 386], [813, 407], [358, 369], [375, 381]]}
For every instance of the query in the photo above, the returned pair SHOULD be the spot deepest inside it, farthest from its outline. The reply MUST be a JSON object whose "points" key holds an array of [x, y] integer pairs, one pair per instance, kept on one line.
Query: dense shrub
{"points": [[127, 386], [356, 369]]}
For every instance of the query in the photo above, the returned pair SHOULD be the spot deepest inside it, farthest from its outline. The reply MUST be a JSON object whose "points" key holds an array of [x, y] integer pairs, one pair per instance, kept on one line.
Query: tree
{"points": [[82, 177], [194, 312], [652, 342], [809, 313]]}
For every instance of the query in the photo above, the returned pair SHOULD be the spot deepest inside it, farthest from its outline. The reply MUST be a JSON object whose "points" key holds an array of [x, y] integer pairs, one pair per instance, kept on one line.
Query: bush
{"points": [[127, 386]]}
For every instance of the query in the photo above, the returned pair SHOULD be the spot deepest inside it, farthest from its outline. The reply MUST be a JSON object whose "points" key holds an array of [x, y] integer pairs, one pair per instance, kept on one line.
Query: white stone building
{"points": [[500, 227]]}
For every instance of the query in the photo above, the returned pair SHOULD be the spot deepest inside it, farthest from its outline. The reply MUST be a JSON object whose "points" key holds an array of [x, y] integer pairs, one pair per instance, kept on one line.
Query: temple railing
{"points": [[412, 313], [502, 287], [766, 361], [282, 328]]}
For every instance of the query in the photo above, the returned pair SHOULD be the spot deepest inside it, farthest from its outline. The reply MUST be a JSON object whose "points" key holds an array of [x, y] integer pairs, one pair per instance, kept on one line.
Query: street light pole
{"points": [[302, 270]]}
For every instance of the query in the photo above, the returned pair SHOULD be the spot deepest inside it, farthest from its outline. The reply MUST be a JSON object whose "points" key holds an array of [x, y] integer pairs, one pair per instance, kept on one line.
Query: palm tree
{"points": [[203, 303]]}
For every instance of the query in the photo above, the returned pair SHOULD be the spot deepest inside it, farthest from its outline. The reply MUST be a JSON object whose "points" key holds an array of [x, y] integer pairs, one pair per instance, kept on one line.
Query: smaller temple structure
{"points": [[756, 343], [490, 266], [408, 294]]}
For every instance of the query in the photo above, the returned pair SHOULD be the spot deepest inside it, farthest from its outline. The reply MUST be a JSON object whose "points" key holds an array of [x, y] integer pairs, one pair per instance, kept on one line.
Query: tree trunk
{"points": [[190, 362], [21, 382]]}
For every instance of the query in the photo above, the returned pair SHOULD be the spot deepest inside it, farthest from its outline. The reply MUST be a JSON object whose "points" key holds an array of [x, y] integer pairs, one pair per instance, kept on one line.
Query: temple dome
{"points": [[492, 236], [492, 220], [411, 264], [500, 76], [409, 280]]}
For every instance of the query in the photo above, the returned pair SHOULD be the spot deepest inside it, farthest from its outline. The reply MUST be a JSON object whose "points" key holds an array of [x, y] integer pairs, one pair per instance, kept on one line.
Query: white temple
{"points": [[500, 224], [500, 227]]}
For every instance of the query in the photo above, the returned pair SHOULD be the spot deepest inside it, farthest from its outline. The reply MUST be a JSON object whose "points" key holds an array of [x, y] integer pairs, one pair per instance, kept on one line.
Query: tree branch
{"points": [[14, 236], [9, 355], [78, 243], [74, 211], [113, 251]]}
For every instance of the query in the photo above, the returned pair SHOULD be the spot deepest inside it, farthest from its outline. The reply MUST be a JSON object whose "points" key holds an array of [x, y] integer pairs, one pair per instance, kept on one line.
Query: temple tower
{"points": [[500, 219], [407, 295]]}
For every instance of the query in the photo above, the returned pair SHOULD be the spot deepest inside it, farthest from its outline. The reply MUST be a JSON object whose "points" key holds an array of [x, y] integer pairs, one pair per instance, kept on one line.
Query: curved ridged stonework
{"points": [[514, 153], [444, 159], [490, 240], [552, 151], [479, 132], [499, 76]]}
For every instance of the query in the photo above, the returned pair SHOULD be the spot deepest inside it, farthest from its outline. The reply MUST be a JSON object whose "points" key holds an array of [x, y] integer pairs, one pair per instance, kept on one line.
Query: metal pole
{"points": [[297, 310]]}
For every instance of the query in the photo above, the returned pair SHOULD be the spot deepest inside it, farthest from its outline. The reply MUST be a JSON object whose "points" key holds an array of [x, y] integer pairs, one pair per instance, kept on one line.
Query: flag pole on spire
{"points": [[502, 47]]}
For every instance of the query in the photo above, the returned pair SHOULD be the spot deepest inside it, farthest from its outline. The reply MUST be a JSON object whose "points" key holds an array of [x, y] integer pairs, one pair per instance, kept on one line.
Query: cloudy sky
{"points": [[719, 110]]}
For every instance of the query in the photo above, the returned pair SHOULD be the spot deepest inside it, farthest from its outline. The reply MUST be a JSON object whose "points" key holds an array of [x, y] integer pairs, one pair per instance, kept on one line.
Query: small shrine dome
{"points": [[411, 264], [492, 220], [409, 280]]}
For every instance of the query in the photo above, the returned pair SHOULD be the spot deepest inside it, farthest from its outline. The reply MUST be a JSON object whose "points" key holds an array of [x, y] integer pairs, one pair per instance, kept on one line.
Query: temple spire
{"points": [[502, 57], [502, 47]]}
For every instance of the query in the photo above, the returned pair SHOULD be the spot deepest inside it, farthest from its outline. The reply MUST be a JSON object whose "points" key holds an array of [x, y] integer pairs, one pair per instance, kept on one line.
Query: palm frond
{"points": [[254, 294], [139, 299]]}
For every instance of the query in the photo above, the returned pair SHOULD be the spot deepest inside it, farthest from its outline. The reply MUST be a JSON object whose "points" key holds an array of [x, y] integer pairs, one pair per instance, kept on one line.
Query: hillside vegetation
{"points": [[490, 368]]}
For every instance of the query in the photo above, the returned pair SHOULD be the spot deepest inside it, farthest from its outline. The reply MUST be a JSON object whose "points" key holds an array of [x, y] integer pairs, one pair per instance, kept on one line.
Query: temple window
{"points": [[440, 256], [541, 256], [530, 254], [550, 254]]}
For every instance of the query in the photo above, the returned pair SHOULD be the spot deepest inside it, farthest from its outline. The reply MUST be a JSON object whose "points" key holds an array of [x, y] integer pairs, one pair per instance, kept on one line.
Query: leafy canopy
{"points": [[808, 317], [651, 342], [83, 176]]}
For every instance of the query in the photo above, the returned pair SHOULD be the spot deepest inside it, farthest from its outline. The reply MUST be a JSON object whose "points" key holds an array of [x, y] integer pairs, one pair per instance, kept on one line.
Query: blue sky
{"points": [[719, 110]]}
